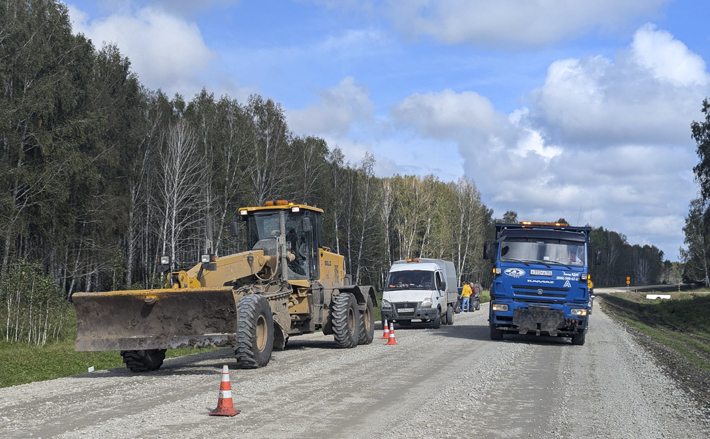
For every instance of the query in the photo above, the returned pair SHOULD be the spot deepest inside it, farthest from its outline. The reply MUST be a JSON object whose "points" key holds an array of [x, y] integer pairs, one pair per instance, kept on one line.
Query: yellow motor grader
{"points": [[287, 284]]}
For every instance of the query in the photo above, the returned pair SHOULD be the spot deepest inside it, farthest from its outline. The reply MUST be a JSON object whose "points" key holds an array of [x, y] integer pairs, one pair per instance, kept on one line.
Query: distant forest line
{"points": [[101, 175]]}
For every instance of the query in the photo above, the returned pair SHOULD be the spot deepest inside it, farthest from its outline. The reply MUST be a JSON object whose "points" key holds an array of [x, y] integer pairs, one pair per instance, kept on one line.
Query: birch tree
{"points": [[269, 170], [179, 201]]}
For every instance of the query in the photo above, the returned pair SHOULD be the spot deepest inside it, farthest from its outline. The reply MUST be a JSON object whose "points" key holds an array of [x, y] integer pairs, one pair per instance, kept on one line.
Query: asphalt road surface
{"points": [[447, 382]]}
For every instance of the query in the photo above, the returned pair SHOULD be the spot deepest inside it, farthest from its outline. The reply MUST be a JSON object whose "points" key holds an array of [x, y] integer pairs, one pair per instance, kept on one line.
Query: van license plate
{"points": [[405, 309]]}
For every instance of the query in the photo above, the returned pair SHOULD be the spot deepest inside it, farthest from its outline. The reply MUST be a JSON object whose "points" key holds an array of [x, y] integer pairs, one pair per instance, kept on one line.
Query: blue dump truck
{"points": [[541, 280]]}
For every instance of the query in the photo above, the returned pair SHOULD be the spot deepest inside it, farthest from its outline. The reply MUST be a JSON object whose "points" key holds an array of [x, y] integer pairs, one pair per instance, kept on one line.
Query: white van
{"points": [[420, 289]]}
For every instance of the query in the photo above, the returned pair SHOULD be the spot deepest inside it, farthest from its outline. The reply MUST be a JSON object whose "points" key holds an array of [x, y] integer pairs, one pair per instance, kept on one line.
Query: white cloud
{"points": [[603, 142], [447, 114], [344, 116], [337, 109], [667, 58], [649, 95], [513, 23], [165, 51]]}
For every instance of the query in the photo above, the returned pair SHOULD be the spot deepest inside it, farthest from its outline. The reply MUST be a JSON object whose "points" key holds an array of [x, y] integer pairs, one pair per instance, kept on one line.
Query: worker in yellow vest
{"points": [[466, 296]]}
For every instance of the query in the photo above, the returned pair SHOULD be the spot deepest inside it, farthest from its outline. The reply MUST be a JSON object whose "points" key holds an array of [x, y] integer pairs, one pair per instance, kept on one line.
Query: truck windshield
{"points": [[543, 252], [410, 280]]}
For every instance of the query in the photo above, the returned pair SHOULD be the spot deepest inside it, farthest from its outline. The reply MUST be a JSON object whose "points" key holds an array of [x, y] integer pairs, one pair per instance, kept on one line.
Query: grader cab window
{"points": [[297, 245], [301, 245], [262, 226]]}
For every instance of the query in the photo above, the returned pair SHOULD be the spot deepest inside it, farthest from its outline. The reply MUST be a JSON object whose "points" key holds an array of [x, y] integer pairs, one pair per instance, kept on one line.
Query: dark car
{"points": [[473, 305]]}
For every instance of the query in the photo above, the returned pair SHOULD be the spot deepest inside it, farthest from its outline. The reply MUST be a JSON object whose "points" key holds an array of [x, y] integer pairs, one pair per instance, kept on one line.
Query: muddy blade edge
{"points": [[156, 319]]}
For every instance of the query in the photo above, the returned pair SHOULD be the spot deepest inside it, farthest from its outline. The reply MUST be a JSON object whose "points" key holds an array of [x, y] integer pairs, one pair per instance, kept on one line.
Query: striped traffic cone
{"points": [[386, 334], [224, 404], [391, 337]]}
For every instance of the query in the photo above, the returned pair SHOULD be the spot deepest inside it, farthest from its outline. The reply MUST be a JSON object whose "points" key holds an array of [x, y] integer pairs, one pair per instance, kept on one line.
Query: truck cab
{"points": [[420, 289], [541, 280]]}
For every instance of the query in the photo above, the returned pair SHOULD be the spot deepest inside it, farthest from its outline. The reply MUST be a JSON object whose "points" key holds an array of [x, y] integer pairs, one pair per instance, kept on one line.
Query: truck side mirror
{"points": [[378, 286], [234, 229], [306, 224], [486, 250], [598, 257], [443, 285]]}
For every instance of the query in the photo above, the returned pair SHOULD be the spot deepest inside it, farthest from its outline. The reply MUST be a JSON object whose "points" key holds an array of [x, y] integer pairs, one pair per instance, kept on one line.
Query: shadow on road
{"points": [[186, 365], [482, 333]]}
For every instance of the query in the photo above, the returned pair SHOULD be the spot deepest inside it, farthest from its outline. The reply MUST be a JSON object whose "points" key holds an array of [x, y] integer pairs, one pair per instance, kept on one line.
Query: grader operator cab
{"points": [[287, 284]]}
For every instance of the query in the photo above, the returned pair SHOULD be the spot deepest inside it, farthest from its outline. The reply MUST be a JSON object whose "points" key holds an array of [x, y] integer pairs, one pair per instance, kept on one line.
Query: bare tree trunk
{"points": [[385, 212]]}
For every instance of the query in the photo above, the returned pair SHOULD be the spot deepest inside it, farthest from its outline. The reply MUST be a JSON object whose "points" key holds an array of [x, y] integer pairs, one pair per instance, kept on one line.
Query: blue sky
{"points": [[570, 109]]}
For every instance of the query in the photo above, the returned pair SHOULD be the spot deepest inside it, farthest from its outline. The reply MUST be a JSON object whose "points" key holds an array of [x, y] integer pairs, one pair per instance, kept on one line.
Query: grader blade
{"points": [[156, 319]]}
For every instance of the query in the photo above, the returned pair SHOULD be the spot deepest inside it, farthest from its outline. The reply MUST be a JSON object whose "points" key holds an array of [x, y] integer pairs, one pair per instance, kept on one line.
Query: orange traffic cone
{"points": [[386, 334], [224, 404], [391, 337]]}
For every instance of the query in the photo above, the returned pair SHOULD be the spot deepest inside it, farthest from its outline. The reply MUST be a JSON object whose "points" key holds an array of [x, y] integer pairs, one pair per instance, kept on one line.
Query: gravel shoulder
{"points": [[448, 382]]}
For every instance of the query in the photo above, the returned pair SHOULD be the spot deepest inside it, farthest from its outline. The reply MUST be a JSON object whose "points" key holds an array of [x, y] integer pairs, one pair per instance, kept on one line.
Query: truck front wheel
{"points": [[255, 334], [143, 361], [578, 339], [496, 334], [346, 321], [436, 324]]}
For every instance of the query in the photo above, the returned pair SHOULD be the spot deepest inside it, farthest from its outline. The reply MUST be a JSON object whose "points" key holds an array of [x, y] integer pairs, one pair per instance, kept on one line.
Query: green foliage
{"points": [[34, 310], [701, 134], [643, 264]]}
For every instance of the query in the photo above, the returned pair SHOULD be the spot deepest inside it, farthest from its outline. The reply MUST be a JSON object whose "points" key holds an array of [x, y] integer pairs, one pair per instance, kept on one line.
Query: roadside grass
{"points": [[22, 363], [680, 325]]}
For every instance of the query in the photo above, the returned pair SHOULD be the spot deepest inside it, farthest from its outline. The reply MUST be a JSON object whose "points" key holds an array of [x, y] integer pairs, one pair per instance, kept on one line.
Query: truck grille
{"points": [[525, 293]]}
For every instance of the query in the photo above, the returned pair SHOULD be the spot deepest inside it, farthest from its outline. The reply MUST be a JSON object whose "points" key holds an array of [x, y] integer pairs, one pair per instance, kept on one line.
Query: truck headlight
{"points": [[426, 303], [578, 312], [385, 304], [500, 307]]}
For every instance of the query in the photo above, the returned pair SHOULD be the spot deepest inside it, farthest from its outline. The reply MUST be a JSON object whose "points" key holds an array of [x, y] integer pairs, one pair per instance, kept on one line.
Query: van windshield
{"points": [[410, 280]]}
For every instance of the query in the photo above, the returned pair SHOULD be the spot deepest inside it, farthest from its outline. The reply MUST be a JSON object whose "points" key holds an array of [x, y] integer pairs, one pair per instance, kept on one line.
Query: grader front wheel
{"points": [[143, 361], [255, 334], [346, 321]]}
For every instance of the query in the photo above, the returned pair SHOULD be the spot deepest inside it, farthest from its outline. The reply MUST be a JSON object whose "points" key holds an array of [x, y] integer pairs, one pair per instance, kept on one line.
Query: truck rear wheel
{"points": [[496, 334], [450, 315], [255, 333], [143, 361], [346, 321], [367, 324]]}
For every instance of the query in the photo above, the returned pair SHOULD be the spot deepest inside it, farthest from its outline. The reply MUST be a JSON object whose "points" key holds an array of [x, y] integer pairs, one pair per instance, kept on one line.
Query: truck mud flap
{"points": [[156, 319], [538, 320]]}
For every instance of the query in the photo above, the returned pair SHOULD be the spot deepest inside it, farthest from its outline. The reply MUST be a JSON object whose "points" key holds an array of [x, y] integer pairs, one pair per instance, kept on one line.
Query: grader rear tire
{"points": [[255, 333], [346, 321], [143, 361], [367, 324]]}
